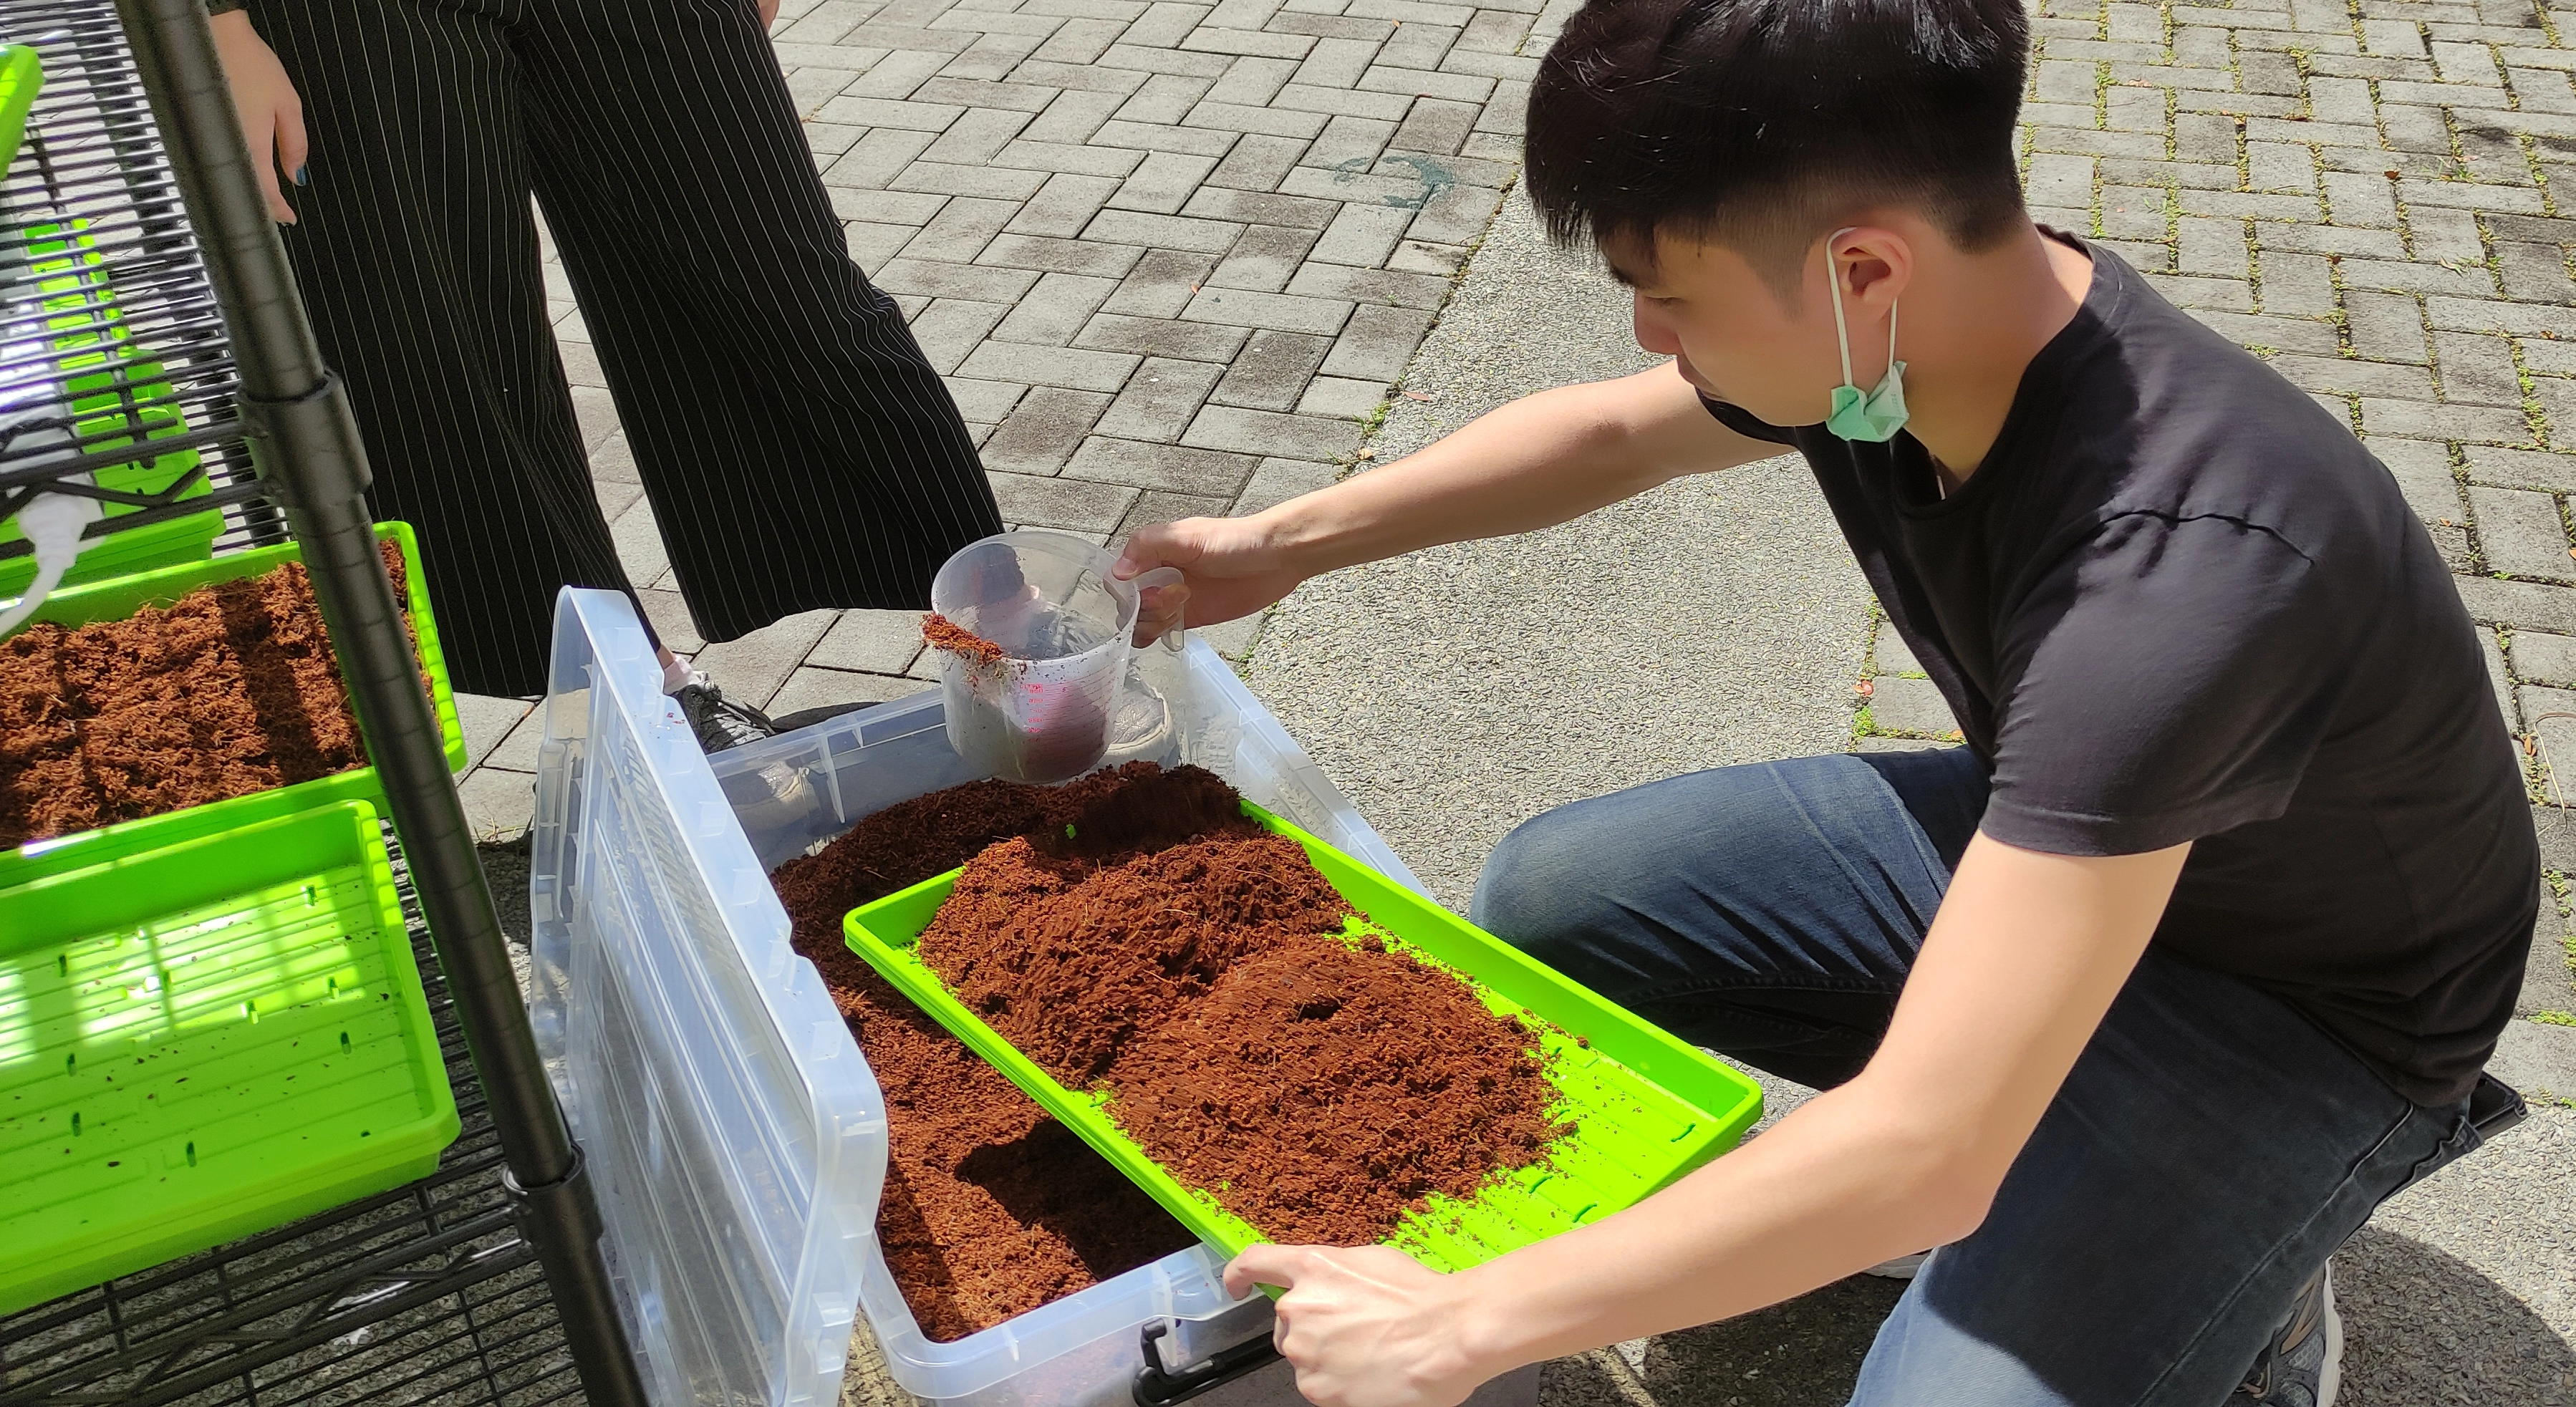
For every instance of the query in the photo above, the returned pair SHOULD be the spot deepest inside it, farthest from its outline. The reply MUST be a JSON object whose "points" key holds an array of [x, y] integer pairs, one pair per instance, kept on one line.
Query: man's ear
{"points": [[1873, 264]]}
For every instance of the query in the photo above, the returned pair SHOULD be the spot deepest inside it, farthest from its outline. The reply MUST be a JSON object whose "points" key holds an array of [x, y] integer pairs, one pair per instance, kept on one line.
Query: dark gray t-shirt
{"points": [[2180, 602]]}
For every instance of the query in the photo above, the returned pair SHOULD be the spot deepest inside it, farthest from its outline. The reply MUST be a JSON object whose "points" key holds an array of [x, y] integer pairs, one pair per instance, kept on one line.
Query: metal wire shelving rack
{"points": [[482, 1283], [423, 1294], [92, 163]]}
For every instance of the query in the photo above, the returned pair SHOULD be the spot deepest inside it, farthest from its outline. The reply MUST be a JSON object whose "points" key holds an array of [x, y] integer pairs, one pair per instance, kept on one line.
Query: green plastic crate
{"points": [[22, 77], [87, 337], [1647, 1107], [202, 1040], [120, 597]]}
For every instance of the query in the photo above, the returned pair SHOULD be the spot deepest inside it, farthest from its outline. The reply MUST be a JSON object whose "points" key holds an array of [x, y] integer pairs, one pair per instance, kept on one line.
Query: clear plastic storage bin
{"points": [[734, 1131], [735, 1138]]}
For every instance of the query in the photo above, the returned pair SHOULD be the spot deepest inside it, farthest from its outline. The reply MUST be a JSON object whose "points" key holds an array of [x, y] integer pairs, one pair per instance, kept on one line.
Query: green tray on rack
{"points": [[119, 597], [1647, 1107], [204, 1037], [86, 333], [22, 77]]}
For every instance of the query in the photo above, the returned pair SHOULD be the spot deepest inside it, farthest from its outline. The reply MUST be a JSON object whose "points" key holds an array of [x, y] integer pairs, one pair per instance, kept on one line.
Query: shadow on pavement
{"points": [[506, 866], [2423, 1327], [1804, 1353]]}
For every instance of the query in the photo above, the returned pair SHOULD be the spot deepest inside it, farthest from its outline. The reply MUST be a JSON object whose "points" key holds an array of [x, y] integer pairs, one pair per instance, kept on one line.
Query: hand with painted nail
{"points": [[272, 116]]}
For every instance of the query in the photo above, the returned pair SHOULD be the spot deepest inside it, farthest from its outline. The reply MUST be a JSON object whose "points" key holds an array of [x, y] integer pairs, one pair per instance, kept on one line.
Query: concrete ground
{"points": [[1174, 257]]}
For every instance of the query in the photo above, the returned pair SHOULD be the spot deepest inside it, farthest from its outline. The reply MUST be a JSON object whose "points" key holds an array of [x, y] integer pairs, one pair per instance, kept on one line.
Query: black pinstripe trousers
{"points": [[797, 449]]}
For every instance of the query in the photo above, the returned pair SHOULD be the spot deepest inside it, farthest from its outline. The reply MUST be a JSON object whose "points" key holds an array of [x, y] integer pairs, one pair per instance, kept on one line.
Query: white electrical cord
{"points": [[53, 523]]}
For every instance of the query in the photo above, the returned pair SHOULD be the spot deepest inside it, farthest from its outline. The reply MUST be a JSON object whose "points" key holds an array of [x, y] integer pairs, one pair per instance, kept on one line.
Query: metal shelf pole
{"points": [[305, 445]]}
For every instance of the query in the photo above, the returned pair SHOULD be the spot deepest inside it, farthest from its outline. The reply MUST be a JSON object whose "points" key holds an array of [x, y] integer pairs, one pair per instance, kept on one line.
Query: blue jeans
{"points": [[2208, 1152]]}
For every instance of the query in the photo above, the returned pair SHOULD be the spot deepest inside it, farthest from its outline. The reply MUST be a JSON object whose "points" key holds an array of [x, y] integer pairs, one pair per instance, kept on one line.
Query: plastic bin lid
{"points": [[734, 1132]]}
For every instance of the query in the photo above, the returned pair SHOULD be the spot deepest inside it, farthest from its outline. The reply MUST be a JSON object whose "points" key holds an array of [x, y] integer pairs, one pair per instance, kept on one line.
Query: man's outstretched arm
{"points": [[1538, 461], [2021, 963]]}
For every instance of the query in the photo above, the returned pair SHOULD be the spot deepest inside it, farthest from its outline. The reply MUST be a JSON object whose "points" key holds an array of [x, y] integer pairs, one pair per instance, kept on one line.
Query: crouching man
{"points": [[2137, 1004]]}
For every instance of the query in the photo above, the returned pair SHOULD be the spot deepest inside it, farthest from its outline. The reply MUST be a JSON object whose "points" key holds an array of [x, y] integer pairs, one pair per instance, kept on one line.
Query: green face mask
{"points": [[1874, 418]]}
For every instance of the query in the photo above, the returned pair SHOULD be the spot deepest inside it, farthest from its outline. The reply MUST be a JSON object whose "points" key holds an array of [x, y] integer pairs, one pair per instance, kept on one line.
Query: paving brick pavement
{"points": [[2372, 196], [1170, 257]]}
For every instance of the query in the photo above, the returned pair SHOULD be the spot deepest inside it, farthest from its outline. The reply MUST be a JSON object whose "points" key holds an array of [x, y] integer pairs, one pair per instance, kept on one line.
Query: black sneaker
{"points": [[2303, 1365], [769, 797], [718, 721]]}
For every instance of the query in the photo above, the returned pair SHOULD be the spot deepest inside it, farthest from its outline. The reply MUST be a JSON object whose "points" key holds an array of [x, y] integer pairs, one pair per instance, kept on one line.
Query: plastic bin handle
{"points": [[1177, 638], [1157, 1386]]}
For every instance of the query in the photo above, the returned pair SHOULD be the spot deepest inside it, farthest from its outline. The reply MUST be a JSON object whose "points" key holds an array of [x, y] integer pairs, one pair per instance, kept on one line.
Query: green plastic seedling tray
{"points": [[1647, 1108], [121, 597], [202, 1040], [22, 77], [126, 551], [88, 336]]}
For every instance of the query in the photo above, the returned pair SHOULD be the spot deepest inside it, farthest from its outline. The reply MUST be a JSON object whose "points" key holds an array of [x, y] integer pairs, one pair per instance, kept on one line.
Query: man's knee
{"points": [[1921, 1359], [1539, 887]]}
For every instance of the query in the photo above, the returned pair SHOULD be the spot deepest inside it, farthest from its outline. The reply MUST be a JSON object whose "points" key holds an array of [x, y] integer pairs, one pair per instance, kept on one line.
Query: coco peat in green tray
{"points": [[119, 598], [1644, 1108]]}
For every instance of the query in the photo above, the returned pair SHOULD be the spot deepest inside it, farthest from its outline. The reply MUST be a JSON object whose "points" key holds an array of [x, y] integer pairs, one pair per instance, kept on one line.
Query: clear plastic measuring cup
{"points": [[1060, 696]]}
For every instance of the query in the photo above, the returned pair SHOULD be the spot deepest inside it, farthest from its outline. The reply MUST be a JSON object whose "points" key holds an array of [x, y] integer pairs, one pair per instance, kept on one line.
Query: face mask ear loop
{"points": [[1834, 279], [1891, 339]]}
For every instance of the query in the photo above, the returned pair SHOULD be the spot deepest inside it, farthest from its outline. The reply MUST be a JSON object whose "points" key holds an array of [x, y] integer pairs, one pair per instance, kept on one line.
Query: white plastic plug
{"points": [[53, 523]]}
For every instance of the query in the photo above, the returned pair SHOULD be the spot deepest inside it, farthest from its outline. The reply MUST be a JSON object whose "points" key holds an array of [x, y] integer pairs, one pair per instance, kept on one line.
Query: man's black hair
{"points": [[1756, 123]]}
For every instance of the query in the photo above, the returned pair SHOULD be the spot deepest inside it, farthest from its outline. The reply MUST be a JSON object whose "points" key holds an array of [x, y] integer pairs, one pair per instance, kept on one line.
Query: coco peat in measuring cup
{"points": [[1033, 635]]}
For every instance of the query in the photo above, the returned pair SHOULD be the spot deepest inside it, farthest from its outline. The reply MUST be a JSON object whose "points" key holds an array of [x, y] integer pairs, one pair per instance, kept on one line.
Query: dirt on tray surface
{"points": [[991, 1207], [1133, 924], [229, 690], [1139, 804], [1322, 1092], [1070, 960], [1318, 1091]]}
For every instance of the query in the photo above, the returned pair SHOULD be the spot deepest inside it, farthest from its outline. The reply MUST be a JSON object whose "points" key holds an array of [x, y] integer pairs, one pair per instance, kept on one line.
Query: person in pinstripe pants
{"points": [[796, 447]]}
